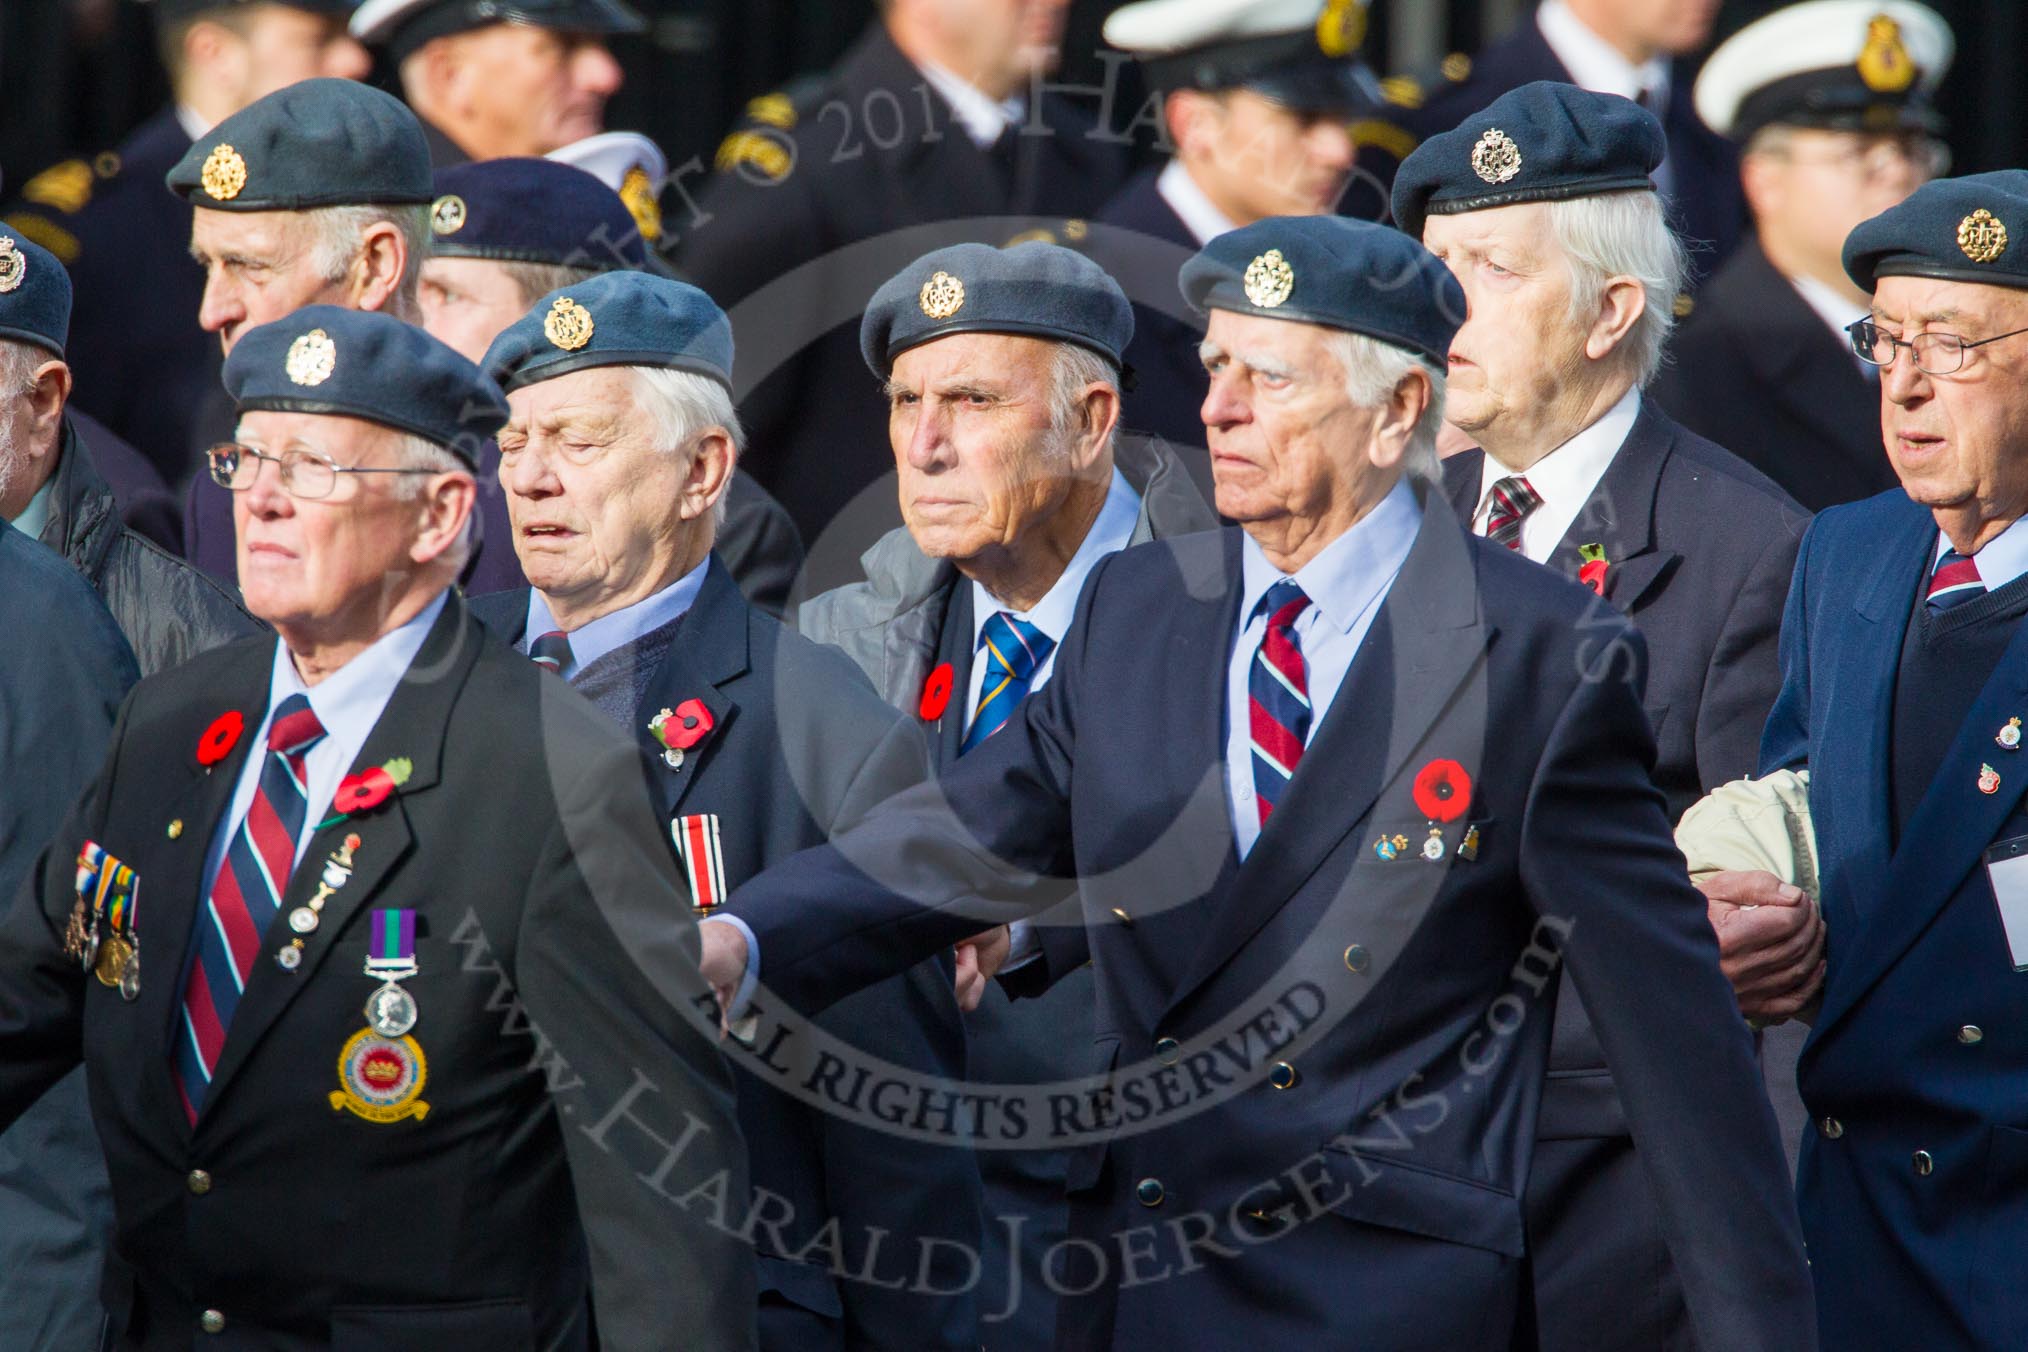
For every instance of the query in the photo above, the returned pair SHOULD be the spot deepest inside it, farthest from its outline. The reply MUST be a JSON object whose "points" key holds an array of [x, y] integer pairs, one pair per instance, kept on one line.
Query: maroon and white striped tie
{"points": [[1513, 499]]}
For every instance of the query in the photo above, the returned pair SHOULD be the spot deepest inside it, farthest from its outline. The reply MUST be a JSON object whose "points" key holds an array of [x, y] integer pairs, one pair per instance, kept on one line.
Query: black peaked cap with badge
{"points": [[1544, 142], [1969, 229], [1343, 274], [528, 210], [366, 364], [1033, 290], [34, 295], [1302, 54], [317, 143], [402, 26], [618, 319]]}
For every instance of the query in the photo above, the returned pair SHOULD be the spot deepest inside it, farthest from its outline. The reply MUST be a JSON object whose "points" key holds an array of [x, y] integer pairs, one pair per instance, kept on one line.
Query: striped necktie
{"points": [[1278, 697], [1513, 499], [1955, 581], [245, 897], [551, 650], [1014, 649]]}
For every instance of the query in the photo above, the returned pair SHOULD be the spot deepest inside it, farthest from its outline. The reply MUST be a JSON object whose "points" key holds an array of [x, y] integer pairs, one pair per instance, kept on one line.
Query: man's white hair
{"points": [[1075, 369], [683, 405], [1623, 234], [1373, 371], [18, 361], [337, 233]]}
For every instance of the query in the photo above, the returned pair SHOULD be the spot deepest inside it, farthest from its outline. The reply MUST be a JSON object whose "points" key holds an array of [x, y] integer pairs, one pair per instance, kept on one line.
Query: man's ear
{"points": [[379, 267], [46, 404], [1620, 306], [709, 474]]}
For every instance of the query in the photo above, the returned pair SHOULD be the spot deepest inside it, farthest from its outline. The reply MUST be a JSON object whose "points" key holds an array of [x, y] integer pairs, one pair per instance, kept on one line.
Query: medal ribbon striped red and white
{"points": [[697, 846]]}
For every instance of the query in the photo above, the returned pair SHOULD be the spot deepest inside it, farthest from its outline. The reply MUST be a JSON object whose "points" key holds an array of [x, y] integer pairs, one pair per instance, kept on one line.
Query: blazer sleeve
{"points": [[1745, 674], [606, 966], [1785, 741], [1601, 868]]}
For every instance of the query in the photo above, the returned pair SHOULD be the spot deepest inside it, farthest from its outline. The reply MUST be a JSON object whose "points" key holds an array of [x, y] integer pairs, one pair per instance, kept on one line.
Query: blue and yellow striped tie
{"points": [[1014, 649]]}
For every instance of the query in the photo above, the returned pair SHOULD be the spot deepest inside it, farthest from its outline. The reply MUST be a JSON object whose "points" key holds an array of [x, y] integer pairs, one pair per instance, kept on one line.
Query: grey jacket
{"points": [[890, 623]]}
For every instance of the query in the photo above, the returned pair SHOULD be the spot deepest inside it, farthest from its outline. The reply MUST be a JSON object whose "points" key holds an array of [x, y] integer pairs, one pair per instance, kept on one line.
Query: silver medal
{"points": [[391, 1011], [303, 920], [130, 977], [289, 958]]}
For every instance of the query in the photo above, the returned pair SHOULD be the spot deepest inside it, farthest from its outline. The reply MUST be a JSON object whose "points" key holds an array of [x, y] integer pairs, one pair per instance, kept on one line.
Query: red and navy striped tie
{"points": [[551, 650], [247, 893], [1955, 581], [1278, 697], [1513, 499]]}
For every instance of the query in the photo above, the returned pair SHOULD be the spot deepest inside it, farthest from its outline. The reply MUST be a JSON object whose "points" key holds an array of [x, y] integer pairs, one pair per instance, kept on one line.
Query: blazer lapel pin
{"points": [[680, 728]]}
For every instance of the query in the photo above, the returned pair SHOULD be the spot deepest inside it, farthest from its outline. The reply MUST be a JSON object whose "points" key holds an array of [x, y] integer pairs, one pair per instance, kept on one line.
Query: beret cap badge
{"points": [[1884, 64], [1496, 158], [224, 173], [942, 296], [312, 358], [13, 265], [1341, 27], [1982, 236], [568, 324], [447, 215], [1269, 279], [637, 191]]}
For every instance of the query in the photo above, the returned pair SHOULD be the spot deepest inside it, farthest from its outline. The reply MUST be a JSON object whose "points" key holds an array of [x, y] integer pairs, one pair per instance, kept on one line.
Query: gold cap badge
{"points": [[312, 358], [942, 296], [1341, 27], [1269, 280], [1884, 63], [568, 324], [1496, 158], [1982, 236], [637, 190], [13, 265], [447, 215], [224, 173]]}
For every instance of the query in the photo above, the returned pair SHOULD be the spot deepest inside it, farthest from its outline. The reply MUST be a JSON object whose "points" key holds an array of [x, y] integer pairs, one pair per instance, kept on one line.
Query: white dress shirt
{"points": [[590, 642], [982, 117], [1597, 65], [1565, 478], [348, 703], [1837, 311], [1346, 582], [1199, 214]]}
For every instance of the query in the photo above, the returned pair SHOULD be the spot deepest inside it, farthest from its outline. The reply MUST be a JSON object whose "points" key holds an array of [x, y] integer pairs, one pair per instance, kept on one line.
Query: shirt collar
{"points": [[1199, 214], [1596, 64], [589, 642], [1350, 574], [2001, 559], [35, 515], [349, 701], [983, 117], [193, 124], [1834, 309], [1569, 473], [1109, 533]]}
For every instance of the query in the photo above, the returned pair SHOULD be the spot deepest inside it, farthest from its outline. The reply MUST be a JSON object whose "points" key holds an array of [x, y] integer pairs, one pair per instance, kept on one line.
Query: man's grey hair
{"points": [[336, 234], [1373, 371], [1624, 234], [536, 280], [417, 452], [18, 361], [1075, 370], [683, 405]]}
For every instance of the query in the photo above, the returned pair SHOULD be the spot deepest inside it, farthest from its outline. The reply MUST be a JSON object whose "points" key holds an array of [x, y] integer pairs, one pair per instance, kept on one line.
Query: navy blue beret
{"points": [[617, 319], [1543, 142], [1970, 229], [1035, 290], [533, 211], [1331, 270], [405, 25], [366, 364], [34, 295], [317, 143]]}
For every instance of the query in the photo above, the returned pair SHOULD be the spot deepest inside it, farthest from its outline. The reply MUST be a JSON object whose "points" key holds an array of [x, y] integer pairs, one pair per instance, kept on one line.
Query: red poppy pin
{"points": [[936, 693], [1443, 791], [220, 738], [681, 728], [368, 789], [1592, 572]]}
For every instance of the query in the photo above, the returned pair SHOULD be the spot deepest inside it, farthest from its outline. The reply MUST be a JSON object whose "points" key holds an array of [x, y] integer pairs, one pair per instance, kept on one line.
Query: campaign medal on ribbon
{"points": [[697, 846], [102, 934], [304, 919], [390, 958]]}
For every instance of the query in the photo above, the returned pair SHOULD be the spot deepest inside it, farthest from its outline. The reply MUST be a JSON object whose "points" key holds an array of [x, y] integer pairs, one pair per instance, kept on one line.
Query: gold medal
{"points": [[115, 951]]}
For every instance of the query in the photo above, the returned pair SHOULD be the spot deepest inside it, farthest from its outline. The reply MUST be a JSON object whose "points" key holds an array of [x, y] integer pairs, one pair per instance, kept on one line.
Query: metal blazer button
{"points": [[211, 1321], [1923, 1163], [1167, 1050], [1832, 1128], [1282, 1075], [199, 1182], [1149, 1190]]}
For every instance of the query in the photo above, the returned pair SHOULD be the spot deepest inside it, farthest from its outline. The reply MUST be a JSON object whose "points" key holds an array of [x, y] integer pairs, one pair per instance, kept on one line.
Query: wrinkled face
{"points": [[1811, 188], [1520, 344], [1958, 441], [1285, 438], [259, 266], [303, 563], [1259, 158], [591, 491], [285, 45], [530, 90], [1002, 43], [1674, 27], [466, 302], [969, 420]]}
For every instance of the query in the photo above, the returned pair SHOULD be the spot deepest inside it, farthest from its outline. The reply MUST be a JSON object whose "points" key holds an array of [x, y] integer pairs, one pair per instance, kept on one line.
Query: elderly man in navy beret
{"points": [[1339, 789], [1544, 208], [1003, 384], [756, 743], [507, 232], [369, 905], [1902, 693]]}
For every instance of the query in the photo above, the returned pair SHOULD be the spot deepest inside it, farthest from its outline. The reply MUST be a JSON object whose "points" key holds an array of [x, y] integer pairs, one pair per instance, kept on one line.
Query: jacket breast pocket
{"points": [[1375, 1190], [475, 1326]]}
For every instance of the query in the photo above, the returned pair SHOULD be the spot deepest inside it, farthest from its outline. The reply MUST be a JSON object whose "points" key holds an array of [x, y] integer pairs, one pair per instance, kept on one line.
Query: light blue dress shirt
{"points": [[1346, 582], [2000, 560], [348, 703], [594, 640]]}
